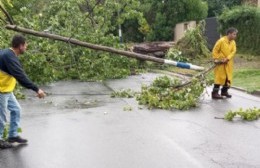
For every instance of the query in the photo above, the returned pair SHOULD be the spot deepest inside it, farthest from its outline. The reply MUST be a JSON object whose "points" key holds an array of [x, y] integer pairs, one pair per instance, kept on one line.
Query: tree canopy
{"points": [[91, 21], [163, 15], [216, 7]]}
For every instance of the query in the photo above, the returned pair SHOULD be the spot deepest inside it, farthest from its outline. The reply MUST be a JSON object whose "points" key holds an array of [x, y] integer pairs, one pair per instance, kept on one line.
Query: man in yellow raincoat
{"points": [[223, 54]]}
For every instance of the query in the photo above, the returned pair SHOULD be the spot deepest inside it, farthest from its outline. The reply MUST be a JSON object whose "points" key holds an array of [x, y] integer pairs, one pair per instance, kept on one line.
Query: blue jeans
{"points": [[9, 102]]}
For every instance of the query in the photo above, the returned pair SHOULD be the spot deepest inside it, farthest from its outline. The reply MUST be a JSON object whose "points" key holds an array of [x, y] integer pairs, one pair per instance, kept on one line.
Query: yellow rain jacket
{"points": [[7, 82], [224, 49]]}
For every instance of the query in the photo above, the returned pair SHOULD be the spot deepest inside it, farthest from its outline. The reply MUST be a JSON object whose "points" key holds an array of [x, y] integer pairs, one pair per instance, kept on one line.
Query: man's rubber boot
{"points": [[224, 92], [215, 95]]}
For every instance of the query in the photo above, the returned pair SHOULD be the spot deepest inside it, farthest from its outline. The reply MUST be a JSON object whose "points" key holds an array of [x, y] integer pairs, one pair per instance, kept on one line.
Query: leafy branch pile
{"points": [[194, 44], [125, 93], [249, 114], [176, 55], [163, 94], [127, 108]]}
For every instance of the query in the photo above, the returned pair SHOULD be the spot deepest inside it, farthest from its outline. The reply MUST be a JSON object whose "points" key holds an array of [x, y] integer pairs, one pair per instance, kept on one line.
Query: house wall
{"points": [[252, 2], [181, 28]]}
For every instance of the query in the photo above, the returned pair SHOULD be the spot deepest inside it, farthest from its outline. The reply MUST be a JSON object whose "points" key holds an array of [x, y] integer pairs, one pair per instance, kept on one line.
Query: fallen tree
{"points": [[83, 44], [174, 94], [102, 48]]}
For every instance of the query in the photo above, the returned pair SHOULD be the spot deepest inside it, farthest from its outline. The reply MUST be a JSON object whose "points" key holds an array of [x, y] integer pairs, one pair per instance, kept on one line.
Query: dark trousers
{"points": [[224, 88]]}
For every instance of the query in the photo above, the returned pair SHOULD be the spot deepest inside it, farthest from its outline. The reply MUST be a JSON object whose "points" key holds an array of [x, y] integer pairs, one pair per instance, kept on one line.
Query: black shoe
{"points": [[5, 144], [17, 139]]}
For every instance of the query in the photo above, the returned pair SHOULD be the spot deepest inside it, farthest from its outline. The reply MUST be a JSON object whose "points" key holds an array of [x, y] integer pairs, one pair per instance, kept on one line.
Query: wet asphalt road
{"points": [[75, 127]]}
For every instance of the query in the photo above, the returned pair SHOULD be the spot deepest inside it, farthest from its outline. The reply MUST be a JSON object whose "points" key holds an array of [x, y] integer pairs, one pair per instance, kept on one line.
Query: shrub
{"points": [[247, 20]]}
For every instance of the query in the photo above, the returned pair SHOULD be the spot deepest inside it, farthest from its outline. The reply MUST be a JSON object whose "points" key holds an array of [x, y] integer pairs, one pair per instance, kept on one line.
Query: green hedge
{"points": [[247, 20]]}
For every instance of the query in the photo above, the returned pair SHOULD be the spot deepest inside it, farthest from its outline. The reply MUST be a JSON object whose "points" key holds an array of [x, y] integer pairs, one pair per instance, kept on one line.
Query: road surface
{"points": [[79, 126]]}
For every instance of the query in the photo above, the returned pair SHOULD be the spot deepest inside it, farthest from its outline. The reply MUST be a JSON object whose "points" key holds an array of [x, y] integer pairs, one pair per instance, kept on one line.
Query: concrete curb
{"points": [[255, 93]]}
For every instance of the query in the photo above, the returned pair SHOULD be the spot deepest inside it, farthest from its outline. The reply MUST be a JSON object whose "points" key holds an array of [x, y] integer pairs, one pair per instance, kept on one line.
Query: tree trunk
{"points": [[84, 44], [104, 48]]}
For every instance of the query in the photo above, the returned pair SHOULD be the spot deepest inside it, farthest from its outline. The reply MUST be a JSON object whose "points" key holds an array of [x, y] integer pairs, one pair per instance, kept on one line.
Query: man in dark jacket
{"points": [[10, 72]]}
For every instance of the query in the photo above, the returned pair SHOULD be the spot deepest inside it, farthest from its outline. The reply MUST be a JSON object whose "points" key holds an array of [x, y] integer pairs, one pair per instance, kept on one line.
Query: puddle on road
{"points": [[76, 95], [83, 104]]}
